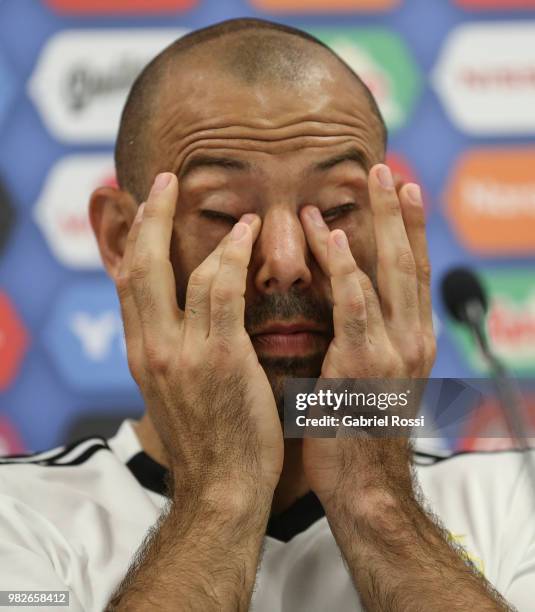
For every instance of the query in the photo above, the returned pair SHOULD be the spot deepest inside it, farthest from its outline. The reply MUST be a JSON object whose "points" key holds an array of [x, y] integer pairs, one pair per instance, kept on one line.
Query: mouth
{"points": [[289, 339]]}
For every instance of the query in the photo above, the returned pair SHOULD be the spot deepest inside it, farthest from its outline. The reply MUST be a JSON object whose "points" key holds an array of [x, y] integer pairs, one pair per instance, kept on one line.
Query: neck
{"points": [[292, 483]]}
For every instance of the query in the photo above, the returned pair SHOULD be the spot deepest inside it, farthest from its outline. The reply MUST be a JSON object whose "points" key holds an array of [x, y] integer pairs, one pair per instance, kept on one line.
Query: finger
{"points": [[227, 295], [414, 219], [151, 273], [349, 310], [399, 181], [197, 308], [129, 315], [317, 235], [396, 268]]}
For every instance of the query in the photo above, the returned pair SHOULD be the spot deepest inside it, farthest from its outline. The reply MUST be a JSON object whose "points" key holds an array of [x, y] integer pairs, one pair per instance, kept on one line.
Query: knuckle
{"points": [[405, 262], [140, 268], [151, 209], [220, 354], [231, 256], [122, 283], [224, 321], [157, 357], [392, 205], [414, 352], [346, 267], [355, 329], [198, 278], [356, 305], [222, 295]]}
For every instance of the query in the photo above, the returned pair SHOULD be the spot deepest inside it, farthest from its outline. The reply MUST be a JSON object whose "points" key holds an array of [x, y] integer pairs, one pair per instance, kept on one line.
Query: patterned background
{"points": [[455, 81]]}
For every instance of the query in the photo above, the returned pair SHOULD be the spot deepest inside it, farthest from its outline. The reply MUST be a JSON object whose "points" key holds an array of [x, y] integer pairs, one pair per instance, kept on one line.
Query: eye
{"points": [[215, 215], [338, 211]]}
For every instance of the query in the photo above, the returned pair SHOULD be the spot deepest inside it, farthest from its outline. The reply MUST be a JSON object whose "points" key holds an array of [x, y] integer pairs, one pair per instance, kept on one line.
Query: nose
{"points": [[281, 253]]}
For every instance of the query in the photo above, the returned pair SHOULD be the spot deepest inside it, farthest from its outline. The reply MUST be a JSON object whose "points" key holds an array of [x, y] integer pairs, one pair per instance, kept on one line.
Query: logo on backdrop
{"points": [[13, 342], [7, 216], [326, 5], [62, 211], [7, 89], [119, 6], [491, 201], [383, 62], [486, 77], [85, 338], [82, 79], [510, 321]]}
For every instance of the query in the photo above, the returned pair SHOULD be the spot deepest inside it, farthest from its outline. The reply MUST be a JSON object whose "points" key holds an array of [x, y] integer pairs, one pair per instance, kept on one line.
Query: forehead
{"points": [[202, 107]]}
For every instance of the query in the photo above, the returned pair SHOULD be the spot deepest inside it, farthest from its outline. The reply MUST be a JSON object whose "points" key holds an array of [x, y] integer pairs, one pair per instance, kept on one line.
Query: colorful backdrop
{"points": [[454, 79]]}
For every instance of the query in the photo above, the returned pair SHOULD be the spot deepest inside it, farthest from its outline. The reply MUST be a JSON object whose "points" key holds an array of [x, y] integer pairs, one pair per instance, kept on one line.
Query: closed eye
{"points": [[329, 215], [215, 215], [338, 211]]}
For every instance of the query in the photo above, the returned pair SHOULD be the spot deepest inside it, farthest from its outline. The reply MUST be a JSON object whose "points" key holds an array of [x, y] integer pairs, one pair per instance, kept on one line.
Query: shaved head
{"points": [[250, 51]]}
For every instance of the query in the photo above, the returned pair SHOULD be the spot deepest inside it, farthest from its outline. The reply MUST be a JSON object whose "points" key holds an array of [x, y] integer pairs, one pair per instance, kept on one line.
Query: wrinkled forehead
{"points": [[203, 106]]}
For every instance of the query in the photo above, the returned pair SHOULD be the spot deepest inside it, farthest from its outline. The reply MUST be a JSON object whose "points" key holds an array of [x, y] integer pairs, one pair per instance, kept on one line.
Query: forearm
{"points": [[202, 555], [401, 559]]}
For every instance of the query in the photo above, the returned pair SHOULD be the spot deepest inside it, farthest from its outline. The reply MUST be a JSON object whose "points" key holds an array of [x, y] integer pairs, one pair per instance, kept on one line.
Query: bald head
{"points": [[250, 52]]}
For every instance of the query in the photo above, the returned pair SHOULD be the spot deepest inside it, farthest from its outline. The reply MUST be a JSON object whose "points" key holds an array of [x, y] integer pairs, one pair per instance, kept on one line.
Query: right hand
{"points": [[207, 395]]}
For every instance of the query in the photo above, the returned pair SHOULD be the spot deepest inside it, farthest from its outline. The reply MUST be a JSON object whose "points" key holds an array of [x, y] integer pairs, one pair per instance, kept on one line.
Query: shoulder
{"points": [[87, 469], [76, 453], [471, 462], [481, 481]]}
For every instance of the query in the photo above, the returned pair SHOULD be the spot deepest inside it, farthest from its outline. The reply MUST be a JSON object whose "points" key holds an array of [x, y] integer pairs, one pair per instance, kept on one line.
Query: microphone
{"points": [[466, 302]]}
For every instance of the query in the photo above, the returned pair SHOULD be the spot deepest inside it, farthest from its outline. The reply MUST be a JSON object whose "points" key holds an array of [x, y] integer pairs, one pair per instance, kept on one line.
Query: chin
{"points": [[278, 369]]}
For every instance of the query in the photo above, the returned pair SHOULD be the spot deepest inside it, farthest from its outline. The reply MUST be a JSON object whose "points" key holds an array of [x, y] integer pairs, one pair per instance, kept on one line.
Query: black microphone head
{"points": [[461, 287]]}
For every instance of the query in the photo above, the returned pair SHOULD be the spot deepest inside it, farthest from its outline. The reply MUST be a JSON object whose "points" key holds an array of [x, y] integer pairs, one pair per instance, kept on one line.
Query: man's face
{"points": [[271, 150]]}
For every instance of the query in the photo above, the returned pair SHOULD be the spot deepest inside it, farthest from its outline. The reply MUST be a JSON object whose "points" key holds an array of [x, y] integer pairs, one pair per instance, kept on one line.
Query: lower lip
{"points": [[298, 343]]}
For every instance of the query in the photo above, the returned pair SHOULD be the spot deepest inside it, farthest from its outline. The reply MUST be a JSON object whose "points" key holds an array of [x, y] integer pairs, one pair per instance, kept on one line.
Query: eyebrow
{"points": [[209, 161], [352, 154], [227, 163]]}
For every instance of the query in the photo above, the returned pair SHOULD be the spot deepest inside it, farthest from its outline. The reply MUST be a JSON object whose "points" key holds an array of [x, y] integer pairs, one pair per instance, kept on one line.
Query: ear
{"points": [[111, 213]]}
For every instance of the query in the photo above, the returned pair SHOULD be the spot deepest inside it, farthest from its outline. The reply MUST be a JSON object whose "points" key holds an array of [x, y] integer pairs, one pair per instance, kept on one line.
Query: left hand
{"points": [[384, 334]]}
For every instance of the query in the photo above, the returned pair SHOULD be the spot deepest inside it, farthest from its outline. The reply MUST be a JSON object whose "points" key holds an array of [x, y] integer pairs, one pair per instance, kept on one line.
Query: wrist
{"points": [[374, 509], [224, 500], [366, 466]]}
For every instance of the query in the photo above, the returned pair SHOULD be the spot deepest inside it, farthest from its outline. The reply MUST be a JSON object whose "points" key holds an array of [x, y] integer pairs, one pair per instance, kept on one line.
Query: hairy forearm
{"points": [[203, 554], [401, 559]]}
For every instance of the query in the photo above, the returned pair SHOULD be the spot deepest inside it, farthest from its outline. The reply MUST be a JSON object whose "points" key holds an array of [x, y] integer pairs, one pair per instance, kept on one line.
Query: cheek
{"points": [[194, 241]]}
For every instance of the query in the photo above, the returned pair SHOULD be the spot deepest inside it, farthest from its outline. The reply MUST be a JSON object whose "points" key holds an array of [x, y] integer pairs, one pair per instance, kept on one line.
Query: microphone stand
{"points": [[509, 396]]}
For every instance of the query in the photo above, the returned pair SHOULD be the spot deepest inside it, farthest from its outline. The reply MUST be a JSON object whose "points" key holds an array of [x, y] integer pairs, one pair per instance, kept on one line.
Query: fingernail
{"points": [[162, 180], [139, 213], [238, 231], [340, 240], [414, 192], [385, 177], [315, 216], [247, 218]]}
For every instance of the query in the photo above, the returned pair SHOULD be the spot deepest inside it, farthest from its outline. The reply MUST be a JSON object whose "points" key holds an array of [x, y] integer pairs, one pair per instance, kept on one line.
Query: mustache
{"points": [[289, 306]]}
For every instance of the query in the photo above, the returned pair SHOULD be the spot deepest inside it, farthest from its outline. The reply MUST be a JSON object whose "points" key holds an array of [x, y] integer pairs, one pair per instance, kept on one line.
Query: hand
{"points": [[207, 395], [388, 334]]}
